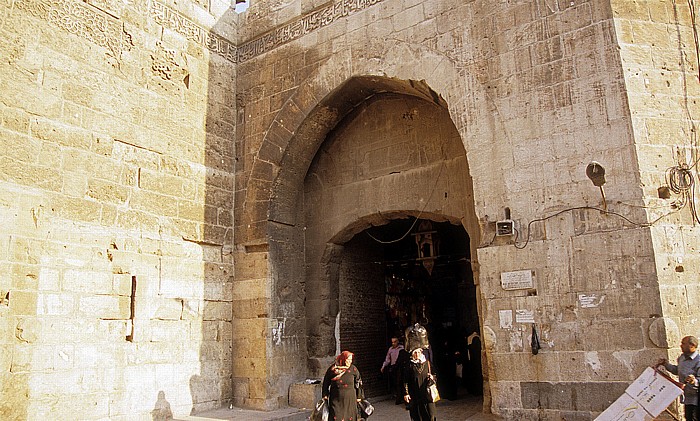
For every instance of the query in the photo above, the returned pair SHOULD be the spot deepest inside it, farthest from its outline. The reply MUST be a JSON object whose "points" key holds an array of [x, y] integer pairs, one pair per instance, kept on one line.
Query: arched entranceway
{"points": [[407, 271], [394, 159], [304, 200]]}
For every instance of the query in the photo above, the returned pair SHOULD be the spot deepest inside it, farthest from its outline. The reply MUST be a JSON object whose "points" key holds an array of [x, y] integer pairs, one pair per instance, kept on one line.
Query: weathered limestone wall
{"points": [[558, 90], [127, 127], [661, 74], [536, 91], [116, 176]]}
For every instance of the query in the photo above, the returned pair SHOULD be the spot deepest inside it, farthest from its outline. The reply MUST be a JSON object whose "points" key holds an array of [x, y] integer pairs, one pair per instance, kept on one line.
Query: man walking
{"points": [[392, 364], [687, 369]]}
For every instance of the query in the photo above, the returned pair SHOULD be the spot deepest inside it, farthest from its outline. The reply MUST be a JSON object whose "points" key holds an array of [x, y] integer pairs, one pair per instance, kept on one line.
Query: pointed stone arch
{"points": [[269, 235], [299, 128]]}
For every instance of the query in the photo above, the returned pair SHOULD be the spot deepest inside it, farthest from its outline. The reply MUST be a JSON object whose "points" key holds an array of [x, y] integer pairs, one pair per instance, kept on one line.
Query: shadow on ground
{"points": [[465, 408]]}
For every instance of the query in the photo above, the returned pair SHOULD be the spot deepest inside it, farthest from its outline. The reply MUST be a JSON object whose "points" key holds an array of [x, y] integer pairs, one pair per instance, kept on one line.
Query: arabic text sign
{"points": [[519, 279]]}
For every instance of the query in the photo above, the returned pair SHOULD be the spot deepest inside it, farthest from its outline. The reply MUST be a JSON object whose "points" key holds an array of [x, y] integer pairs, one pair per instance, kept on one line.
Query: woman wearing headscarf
{"points": [[342, 387], [416, 375]]}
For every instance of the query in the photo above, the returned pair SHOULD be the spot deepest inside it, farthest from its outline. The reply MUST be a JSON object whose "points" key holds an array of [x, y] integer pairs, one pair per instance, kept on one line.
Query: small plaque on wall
{"points": [[524, 316], [519, 279], [505, 319]]}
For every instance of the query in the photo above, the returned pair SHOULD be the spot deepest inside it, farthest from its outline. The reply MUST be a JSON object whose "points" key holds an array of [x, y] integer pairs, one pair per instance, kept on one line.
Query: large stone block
{"points": [[56, 304], [105, 306], [302, 395], [76, 280], [23, 303]]}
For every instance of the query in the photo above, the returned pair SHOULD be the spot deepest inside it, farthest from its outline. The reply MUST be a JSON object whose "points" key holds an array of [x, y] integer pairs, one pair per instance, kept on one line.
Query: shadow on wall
{"points": [[161, 410], [211, 388]]}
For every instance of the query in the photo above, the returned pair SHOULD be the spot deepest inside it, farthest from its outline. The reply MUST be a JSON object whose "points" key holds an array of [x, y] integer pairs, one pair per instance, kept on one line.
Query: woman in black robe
{"points": [[416, 375], [342, 387]]}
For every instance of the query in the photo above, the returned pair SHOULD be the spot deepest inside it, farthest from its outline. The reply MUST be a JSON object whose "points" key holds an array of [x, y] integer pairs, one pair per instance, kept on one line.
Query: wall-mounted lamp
{"points": [[596, 173]]}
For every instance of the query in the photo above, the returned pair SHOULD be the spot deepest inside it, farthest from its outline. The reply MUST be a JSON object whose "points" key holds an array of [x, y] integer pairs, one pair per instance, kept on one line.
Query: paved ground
{"points": [[466, 408]]}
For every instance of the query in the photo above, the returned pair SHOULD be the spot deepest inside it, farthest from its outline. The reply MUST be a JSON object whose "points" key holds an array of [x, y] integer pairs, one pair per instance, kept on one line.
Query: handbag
{"points": [[433, 394], [365, 408], [320, 412]]}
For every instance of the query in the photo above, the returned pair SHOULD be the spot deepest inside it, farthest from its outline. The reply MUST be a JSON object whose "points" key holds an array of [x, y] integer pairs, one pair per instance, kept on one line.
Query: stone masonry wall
{"points": [[362, 316], [537, 91], [659, 55], [116, 179], [139, 139]]}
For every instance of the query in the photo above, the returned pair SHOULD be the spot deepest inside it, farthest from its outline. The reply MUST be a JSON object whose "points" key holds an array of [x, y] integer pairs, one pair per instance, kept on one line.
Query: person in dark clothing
{"points": [[446, 362], [342, 387], [401, 365], [416, 375], [474, 378]]}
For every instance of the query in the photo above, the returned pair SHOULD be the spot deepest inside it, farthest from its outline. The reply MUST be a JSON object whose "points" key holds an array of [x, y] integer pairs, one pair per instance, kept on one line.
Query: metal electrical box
{"points": [[506, 227]]}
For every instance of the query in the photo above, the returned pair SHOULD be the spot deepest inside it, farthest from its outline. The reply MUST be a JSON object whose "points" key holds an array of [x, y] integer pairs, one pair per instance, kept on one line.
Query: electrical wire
{"points": [[419, 213], [495, 234], [691, 6], [680, 181], [398, 239], [693, 209], [603, 211]]}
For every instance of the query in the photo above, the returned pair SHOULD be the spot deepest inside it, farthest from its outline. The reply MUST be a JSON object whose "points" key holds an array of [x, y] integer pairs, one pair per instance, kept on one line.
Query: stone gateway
{"points": [[200, 207]]}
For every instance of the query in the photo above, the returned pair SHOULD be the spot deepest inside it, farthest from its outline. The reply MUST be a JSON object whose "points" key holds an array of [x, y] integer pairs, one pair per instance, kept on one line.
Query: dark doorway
{"points": [[405, 272]]}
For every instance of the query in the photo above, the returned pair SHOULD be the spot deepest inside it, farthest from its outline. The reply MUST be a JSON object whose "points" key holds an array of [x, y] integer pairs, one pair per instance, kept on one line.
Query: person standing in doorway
{"points": [[687, 369], [475, 378], [417, 373], [446, 363], [392, 368], [342, 387]]}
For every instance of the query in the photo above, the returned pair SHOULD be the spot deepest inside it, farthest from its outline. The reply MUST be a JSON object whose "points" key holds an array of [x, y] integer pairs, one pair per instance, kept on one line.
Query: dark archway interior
{"points": [[408, 271]]}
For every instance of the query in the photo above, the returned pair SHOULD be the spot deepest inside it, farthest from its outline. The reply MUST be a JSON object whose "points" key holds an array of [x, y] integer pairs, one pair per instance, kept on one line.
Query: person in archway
{"points": [[416, 380], [392, 368], [342, 387], [445, 361], [473, 378]]}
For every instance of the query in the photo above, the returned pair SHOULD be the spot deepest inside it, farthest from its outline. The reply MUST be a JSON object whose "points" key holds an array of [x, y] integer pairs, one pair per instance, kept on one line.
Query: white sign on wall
{"points": [[590, 300], [519, 279], [505, 317], [524, 316]]}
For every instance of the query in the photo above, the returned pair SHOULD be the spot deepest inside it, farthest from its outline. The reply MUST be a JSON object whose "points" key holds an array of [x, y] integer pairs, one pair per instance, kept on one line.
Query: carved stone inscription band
{"points": [[171, 19], [316, 19], [82, 20], [106, 30], [301, 26]]}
